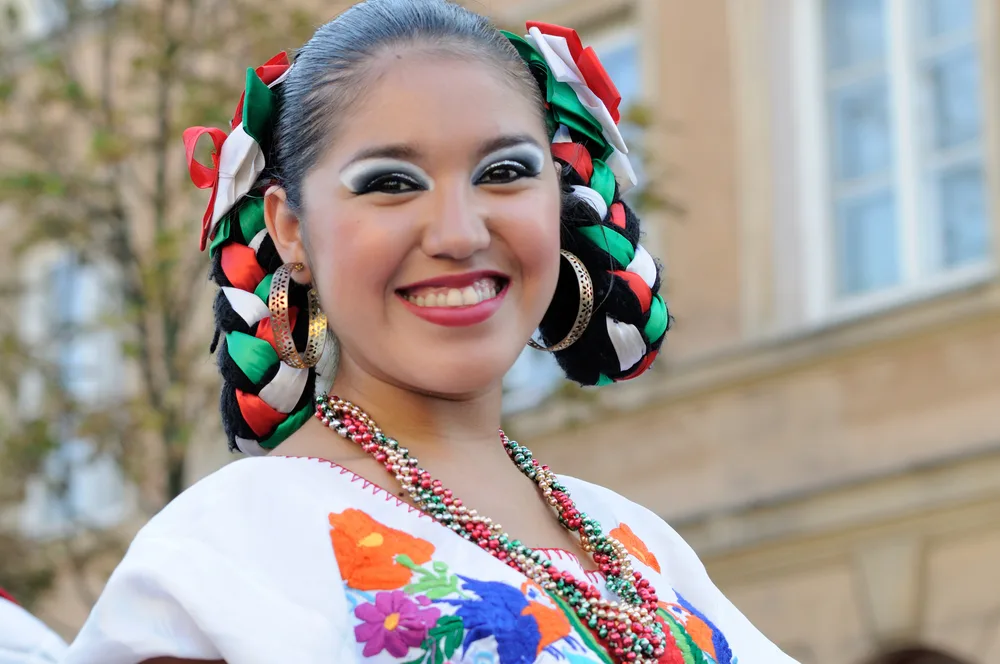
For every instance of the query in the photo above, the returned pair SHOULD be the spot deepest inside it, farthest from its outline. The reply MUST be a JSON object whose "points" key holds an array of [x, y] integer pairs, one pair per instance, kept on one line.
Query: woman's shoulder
{"points": [[237, 545], [245, 493]]}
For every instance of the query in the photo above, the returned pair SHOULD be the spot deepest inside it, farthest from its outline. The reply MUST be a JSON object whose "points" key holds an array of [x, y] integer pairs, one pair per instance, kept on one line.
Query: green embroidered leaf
{"points": [[436, 583], [448, 632]]}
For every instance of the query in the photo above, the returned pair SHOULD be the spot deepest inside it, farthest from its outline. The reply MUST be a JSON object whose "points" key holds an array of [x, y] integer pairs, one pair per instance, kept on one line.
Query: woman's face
{"points": [[432, 225]]}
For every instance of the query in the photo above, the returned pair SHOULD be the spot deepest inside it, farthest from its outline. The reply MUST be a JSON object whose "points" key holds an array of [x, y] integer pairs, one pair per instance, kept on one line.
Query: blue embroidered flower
{"points": [[498, 612]]}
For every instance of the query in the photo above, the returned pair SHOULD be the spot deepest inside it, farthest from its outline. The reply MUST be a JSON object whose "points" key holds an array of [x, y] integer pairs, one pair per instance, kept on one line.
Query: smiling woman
{"points": [[392, 217]]}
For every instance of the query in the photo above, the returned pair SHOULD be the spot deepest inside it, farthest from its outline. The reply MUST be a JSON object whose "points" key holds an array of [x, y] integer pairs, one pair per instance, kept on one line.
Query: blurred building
{"points": [[823, 425]]}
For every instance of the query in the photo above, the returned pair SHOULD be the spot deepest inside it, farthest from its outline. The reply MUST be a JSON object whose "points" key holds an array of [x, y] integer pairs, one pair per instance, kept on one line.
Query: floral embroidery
{"points": [[708, 637], [417, 611], [366, 551], [498, 612], [552, 623], [635, 546], [394, 623]]}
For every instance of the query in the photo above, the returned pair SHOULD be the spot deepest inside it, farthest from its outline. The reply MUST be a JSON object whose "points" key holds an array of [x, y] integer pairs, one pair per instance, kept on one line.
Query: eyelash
{"points": [[401, 183], [521, 170], [378, 184]]}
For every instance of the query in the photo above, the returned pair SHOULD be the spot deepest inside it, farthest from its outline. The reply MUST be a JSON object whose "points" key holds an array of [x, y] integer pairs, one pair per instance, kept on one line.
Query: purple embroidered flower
{"points": [[394, 622]]}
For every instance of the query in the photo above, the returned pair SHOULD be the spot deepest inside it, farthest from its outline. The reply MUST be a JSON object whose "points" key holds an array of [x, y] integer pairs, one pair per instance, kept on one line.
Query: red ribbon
{"points": [[204, 176], [643, 365], [594, 74], [638, 286], [261, 418], [269, 72], [265, 331], [239, 263], [576, 156], [618, 215], [7, 596]]}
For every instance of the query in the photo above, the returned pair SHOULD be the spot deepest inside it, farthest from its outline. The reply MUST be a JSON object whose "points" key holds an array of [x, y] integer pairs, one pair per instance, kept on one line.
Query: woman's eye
{"points": [[392, 183], [504, 173]]}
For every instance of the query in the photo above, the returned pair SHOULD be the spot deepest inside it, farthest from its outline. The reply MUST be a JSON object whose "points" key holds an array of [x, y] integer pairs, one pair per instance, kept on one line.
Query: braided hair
{"points": [[286, 117]]}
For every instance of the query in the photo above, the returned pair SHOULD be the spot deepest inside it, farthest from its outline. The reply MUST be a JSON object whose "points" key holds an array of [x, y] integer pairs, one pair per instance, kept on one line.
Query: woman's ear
{"points": [[285, 229]]}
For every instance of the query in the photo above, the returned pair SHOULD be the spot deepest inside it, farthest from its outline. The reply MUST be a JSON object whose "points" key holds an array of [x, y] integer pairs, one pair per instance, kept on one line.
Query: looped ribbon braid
{"points": [[583, 113], [273, 398]]}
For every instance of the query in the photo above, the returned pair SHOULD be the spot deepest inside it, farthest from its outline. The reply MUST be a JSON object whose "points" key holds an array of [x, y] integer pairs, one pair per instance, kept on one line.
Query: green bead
{"points": [[592, 623]]}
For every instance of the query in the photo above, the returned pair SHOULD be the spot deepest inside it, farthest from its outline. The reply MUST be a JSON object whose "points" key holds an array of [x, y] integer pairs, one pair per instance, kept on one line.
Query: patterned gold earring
{"points": [[277, 302]]}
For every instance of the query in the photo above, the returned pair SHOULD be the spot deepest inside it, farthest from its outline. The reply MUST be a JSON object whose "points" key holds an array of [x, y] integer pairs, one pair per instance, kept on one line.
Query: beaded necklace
{"points": [[627, 628]]}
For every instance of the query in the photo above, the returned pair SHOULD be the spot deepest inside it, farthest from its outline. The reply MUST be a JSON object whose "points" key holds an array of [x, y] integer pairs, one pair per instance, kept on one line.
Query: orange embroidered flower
{"points": [[635, 546], [366, 551], [552, 622]]}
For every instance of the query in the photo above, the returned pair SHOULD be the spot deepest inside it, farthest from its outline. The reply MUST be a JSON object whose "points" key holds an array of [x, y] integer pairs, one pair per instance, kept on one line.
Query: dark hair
{"points": [[328, 77]]}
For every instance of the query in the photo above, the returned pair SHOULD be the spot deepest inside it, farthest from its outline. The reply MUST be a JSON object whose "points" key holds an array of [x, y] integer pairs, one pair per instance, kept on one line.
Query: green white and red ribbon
{"points": [[237, 159]]}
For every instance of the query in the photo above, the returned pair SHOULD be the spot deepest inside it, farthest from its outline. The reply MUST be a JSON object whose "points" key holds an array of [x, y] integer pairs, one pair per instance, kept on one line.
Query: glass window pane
{"points": [[855, 32], [943, 17], [953, 84], [862, 135], [964, 229], [867, 243]]}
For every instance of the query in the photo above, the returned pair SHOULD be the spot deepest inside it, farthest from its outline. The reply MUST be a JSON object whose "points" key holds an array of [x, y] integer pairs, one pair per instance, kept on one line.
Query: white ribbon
{"points": [[562, 135], [592, 198], [643, 265], [257, 240], [240, 163], [246, 305], [622, 168], [557, 56], [285, 389], [628, 342], [249, 447]]}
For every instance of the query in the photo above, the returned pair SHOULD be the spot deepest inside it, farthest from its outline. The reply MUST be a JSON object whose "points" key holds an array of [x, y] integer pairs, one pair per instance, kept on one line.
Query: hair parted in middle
{"points": [[288, 116]]}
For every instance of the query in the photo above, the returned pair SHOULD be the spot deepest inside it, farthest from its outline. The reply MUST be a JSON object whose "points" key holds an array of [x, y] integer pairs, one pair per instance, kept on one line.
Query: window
{"points": [[536, 375], [905, 193], [80, 486]]}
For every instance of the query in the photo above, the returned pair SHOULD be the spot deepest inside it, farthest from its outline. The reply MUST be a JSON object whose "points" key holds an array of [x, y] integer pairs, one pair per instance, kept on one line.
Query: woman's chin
{"points": [[459, 378]]}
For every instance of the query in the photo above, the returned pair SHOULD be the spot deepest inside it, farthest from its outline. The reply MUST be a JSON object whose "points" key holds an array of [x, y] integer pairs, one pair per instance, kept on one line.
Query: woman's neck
{"points": [[437, 430]]}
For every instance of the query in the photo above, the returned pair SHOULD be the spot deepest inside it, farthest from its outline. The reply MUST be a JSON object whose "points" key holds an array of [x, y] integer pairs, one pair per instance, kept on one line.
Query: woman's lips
{"points": [[455, 301]]}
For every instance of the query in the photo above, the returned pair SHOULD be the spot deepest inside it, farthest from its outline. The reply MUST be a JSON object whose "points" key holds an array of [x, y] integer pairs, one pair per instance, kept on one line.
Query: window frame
{"points": [[919, 278]]}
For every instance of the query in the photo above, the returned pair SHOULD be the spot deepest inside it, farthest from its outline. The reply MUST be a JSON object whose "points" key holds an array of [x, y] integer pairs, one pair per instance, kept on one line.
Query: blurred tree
{"points": [[94, 95]]}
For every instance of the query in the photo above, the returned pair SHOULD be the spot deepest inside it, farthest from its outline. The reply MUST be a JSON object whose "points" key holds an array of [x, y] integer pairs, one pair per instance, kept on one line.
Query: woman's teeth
{"points": [[482, 290]]}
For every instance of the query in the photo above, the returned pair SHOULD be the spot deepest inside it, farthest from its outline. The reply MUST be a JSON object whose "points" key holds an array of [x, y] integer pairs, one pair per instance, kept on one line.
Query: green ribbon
{"points": [[263, 290], [253, 356], [292, 423], [565, 106], [656, 324], [250, 215], [603, 181], [258, 109], [603, 380], [611, 241]]}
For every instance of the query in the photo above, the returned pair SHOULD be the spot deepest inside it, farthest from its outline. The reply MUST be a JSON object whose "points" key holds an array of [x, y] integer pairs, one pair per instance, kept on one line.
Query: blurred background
{"points": [[822, 180]]}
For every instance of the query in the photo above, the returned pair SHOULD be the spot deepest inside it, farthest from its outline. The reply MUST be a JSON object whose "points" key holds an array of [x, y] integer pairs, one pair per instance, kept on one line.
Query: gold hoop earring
{"points": [[583, 314], [277, 303]]}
